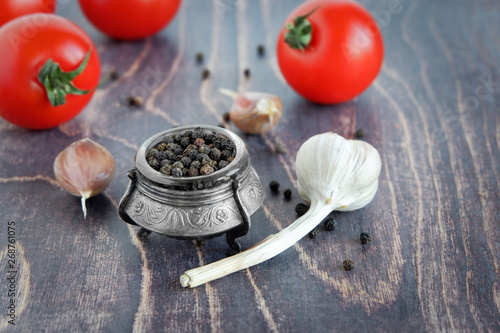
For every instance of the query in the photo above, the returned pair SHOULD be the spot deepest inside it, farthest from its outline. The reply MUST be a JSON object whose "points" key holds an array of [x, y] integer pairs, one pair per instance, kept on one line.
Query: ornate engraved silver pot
{"points": [[198, 207]]}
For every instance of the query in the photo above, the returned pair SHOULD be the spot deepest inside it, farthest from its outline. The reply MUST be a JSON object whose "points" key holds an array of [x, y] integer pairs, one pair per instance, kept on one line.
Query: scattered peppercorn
{"points": [[330, 224], [360, 133], [365, 238], [280, 148], [246, 72], [348, 265], [226, 117], [199, 57], [205, 73], [313, 234], [274, 185], [261, 50], [143, 233], [113, 75], [134, 101], [287, 193], [301, 209], [200, 242]]}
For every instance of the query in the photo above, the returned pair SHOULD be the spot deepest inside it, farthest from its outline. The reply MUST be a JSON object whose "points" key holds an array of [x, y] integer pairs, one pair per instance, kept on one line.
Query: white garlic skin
{"points": [[84, 169], [254, 112], [345, 176]]}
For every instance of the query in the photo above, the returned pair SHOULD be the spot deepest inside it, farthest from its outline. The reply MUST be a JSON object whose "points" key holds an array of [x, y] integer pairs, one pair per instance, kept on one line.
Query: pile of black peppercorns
{"points": [[192, 153]]}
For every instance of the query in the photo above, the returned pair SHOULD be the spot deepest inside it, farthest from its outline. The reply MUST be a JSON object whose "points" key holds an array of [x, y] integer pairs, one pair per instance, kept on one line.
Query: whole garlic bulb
{"points": [[85, 169], [254, 112], [333, 174]]}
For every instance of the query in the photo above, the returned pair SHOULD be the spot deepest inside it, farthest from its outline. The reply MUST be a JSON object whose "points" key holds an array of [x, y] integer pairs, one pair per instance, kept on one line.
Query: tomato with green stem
{"points": [[48, 72], [130, 19], [330, 51], [10, 9]]}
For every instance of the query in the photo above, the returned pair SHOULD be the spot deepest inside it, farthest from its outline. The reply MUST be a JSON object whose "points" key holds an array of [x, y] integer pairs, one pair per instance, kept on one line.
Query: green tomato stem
{"points": [[299, 33], [58, 83]]}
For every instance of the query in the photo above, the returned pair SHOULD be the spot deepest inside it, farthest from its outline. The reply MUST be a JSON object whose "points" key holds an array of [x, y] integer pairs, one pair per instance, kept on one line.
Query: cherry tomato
{"points": [[330, 51], [28, 43], [130, 19], [10, 9]]}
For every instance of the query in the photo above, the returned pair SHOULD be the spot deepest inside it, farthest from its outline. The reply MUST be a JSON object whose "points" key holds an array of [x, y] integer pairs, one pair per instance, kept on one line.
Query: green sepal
{"points": [[58, 83], [299, 34]]}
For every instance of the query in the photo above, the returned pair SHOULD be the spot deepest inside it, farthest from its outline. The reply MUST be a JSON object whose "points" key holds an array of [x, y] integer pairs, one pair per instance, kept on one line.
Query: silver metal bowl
{"points": [[198, 207]]}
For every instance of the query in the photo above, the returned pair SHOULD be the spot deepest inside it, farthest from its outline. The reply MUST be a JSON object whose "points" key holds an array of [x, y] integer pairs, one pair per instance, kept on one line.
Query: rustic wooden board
{"points": [[433, 113]]}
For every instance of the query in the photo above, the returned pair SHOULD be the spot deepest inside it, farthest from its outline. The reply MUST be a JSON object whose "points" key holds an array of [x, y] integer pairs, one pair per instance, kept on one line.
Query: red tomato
{"points": [[343, 56], [130, 19], [10, 9], [27, 43]]}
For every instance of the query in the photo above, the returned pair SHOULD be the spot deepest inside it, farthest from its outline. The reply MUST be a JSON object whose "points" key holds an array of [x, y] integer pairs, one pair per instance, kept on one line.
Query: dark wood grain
{"points": [[433, 114]]}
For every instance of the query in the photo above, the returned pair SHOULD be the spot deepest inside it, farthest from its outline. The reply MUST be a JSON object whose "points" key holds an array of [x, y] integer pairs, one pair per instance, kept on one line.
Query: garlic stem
{"points": [[229, 93], [266, 249], [84, 208]]}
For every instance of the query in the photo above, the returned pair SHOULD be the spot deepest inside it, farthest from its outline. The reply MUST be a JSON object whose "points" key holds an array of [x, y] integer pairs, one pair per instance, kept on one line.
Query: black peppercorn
{"points": [[313, 234], [360, 133], [193, 154], [226, 117], [166, 169], [193, 172], [134, 101], [199, 57], [178, 151], [348, 265], [177, 137], [206, 169], [365, 238], [152, 152], [222, 164], [113, 75], [246, 72], [204, 149], [280, 148], [261, 50], [176, 172], [196, 164], [330, 224], [301, 209], [287, 193], [184, 142], [165, 162], [162, 146], [168, 139], [215, 154], [186, 161], [274, 185], [153, 162], [205, 74], [200, 242], [178, 164]]}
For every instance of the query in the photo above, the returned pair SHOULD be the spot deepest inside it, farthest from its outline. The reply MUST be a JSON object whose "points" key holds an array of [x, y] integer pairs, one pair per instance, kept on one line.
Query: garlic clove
{"points": [[333, 174], [85, 169], [254, 112]]}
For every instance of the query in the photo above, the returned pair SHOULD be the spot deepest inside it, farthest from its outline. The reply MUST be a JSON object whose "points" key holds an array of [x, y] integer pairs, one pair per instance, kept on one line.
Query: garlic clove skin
{"points": [[254, 112], [345, 176], [84, 169]]}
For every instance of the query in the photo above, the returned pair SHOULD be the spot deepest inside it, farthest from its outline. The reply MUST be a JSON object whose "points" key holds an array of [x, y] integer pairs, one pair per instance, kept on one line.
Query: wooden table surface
{"points": [[433, 114]]}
